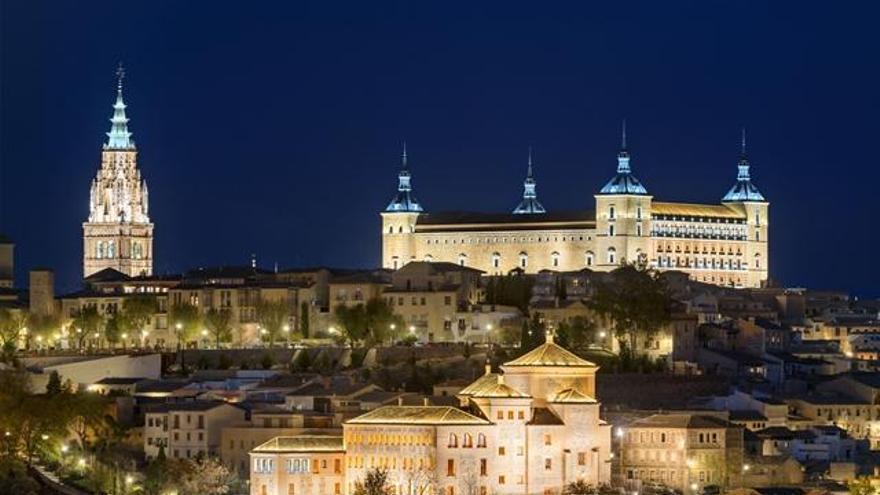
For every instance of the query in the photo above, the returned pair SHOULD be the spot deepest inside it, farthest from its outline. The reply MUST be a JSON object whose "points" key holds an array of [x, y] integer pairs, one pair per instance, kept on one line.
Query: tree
{"points": [[219, 323], [139, 309], [861, 486], [636, 303], [86, 322], [117, 326], [201, 476], [375, 483], [11, 324], [44, 326], [579, 487], [304, 319], [186, 320], [272, 315], [53, 387], [468, 480], [352, 322]]}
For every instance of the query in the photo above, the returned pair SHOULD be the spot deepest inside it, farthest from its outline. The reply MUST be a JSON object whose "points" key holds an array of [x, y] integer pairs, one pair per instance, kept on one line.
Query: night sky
{"points": [[275, 128]]}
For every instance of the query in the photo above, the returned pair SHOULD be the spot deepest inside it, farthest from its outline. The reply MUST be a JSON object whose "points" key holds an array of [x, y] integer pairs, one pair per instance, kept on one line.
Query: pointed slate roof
{"points": [[529, 203], [550, 354], [624, 182], [404, 201], [743, 190]]}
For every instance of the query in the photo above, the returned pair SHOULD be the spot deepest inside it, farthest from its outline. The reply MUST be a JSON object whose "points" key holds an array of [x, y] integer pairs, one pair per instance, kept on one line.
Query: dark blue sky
{"points": [[275, 127]]}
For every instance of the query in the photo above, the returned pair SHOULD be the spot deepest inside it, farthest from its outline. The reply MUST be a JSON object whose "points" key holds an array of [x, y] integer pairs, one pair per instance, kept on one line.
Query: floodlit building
{"points": [[723, 244], [118, 233], [532, 428], [686, 452], [188, 429]]}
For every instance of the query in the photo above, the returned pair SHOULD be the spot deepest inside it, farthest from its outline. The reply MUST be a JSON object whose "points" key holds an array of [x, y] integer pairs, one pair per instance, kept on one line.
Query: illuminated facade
{"points": [[724, 244], [531, 429], [118, 233]]}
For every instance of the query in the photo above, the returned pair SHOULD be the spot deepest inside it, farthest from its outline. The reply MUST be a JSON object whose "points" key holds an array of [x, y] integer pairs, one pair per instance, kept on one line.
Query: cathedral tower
{"points": [[118, 233], [623, 214], [399, 221]]}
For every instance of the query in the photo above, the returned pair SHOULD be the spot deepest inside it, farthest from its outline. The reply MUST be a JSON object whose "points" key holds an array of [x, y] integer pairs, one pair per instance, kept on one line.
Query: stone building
{"points": [[532, 428], [723, 244], [686, 452], [118, 233]]}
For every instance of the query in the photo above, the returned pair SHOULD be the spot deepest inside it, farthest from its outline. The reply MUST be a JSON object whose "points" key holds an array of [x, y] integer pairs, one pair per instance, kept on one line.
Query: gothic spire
{"points": [[119, 138], [529, 203], [743, 190]]}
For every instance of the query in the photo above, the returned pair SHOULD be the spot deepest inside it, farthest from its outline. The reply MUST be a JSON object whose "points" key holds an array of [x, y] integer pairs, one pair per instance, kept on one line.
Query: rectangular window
{"points": [[582, 458], [483, 467], [548, 464], [450, 467], [500, 450]]}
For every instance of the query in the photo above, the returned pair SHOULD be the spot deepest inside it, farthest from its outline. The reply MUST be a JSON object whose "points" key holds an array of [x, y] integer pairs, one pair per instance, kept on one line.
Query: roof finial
{"points": [[120, 75], [743, 150], [403, 157], [530, 162], [548, 336], [623, 135]]}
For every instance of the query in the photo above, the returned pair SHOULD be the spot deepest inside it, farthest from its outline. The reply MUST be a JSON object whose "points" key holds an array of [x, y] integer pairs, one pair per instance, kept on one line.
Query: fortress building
{"points": [[118, 233], [723, 244]]}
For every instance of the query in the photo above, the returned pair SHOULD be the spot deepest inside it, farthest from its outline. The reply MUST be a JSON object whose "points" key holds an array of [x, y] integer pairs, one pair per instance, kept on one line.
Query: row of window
{"points": [[496, 240], [108, 250]]}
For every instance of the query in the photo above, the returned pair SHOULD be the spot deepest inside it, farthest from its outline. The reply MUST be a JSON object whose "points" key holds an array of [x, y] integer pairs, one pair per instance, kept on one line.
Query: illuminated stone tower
{"points": [[623, 214], [118, 233], [399, 222], [745, 197]]}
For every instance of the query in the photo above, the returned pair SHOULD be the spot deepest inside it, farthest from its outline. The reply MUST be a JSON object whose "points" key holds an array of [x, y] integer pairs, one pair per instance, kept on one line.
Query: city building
{"points": [[118, 233], [188, 429], [308, 465], [686, 452], [532, 428], [724, 244]]}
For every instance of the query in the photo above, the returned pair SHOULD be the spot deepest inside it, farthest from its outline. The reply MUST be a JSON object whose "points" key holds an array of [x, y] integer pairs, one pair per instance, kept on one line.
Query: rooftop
{"points": [[679, 421], [550, 354], [303, 443], [694, 210], [418, 415]]}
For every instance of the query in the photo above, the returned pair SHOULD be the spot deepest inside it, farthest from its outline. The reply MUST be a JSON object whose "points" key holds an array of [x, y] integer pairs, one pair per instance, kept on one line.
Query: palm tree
{"points": [[219, 323]]}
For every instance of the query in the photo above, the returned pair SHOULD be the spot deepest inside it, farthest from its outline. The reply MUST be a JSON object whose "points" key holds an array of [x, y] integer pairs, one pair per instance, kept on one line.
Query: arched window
{"points": [[400, 229], [99, 250], [612, 256], [611, 212], [391, 229], [639, 213], [468, 441], [554, 258], [523, 259], [496, 260], [758, 261], [453, 440], [395, 263], [639, 229], [429, 258], [137, 251], [481, 441], [462, 259], [757, 235], [111, 249], [611, 230], [588, 259]]}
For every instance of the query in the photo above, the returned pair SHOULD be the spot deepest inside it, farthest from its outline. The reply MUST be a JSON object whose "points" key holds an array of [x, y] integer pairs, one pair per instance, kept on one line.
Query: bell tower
{"points": [[118, 233]]}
